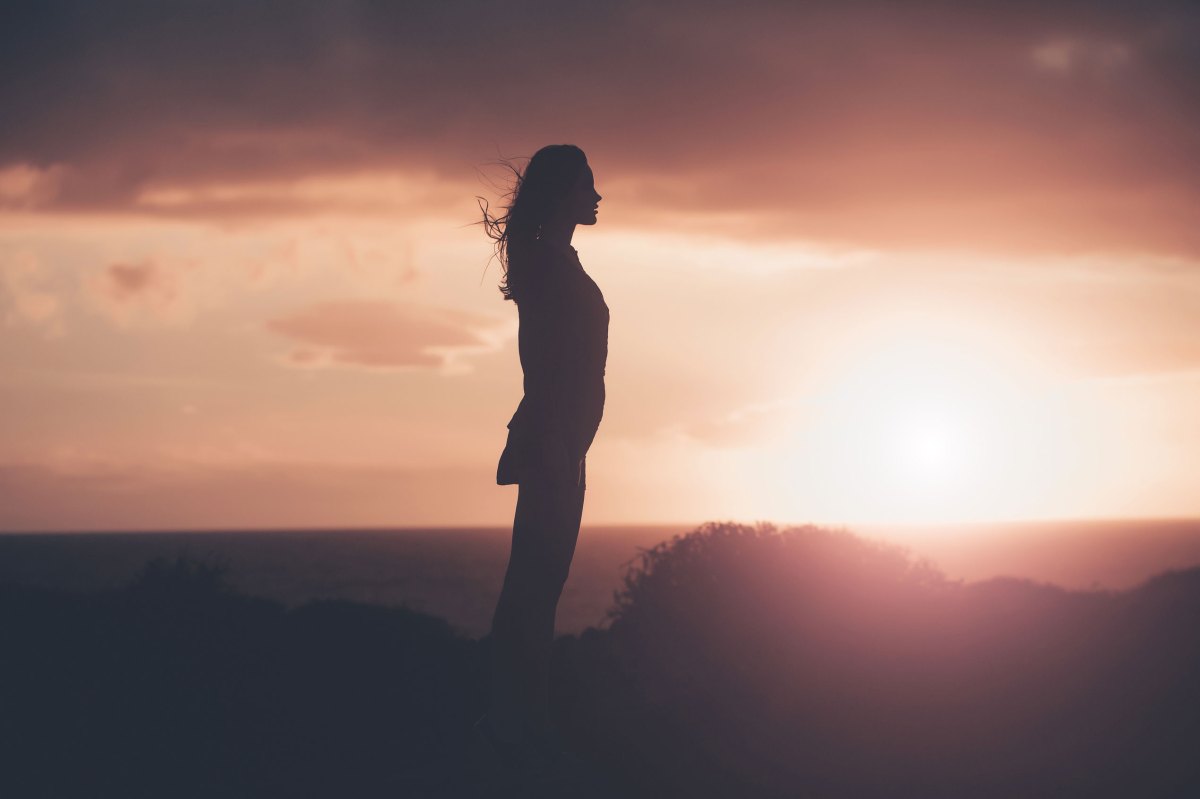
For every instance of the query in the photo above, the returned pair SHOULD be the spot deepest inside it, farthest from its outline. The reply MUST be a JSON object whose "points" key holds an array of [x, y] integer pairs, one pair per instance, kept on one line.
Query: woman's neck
{"points": [[564, 248], [557, 236], [566, 255]]}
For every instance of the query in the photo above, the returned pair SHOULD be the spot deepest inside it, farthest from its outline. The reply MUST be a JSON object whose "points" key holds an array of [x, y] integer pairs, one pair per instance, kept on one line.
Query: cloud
{"points": [[246, 495], [861, 121], [1066, 55], [1145, 332], [128, 281], [377, 334], [26, 186], [750, 425], [27, 297], [407, 195], [140, 293], [1081, 317]]}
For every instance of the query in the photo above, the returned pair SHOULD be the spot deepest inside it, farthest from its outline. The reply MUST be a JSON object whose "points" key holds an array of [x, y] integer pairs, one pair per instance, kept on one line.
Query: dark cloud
{"points": [[380, 335], [1061, 125]]}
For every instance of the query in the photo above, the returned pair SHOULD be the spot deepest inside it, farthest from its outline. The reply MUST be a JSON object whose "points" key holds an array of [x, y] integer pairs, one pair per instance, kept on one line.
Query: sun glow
{"points": [[920, 412], [929, 450], [919, 425]]}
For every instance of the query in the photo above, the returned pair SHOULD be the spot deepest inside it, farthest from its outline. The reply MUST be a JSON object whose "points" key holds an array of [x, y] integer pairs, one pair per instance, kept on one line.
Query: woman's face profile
{"points": [[582, 201]]}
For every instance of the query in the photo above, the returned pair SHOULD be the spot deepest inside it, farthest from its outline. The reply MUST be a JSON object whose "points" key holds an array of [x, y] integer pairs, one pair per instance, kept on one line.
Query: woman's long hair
{"points": [[533, 199]]}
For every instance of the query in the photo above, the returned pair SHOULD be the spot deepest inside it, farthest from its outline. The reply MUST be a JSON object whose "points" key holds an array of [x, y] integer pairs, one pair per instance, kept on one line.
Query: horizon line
{"points": [[844, 525]]}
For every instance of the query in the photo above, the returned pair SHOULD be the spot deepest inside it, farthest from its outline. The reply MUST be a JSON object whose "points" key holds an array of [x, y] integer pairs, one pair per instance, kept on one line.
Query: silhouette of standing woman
{"points": [[563, 344]]}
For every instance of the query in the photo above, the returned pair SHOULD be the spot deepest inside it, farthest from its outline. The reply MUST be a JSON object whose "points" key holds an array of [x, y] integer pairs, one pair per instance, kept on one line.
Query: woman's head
{"points": [[555, 189]]}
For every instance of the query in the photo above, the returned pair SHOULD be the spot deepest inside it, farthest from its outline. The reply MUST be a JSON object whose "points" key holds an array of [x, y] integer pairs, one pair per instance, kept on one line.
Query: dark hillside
{"points": [[740, 661]]}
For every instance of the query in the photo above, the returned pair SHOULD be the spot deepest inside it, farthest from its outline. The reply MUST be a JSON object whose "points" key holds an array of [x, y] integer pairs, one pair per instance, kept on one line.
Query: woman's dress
{"points": [[563, 345]]}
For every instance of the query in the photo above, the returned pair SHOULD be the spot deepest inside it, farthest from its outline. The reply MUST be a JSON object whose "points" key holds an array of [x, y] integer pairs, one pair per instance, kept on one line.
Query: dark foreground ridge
{"points": [[740, 662]]}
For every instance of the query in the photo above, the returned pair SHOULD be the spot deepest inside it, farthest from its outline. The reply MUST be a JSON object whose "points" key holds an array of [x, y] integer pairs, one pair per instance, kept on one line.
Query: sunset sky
{"points": [[865, 262]]}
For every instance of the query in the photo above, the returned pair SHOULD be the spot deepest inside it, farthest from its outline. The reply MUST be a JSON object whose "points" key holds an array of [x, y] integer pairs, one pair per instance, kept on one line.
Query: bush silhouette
{"points": [[741, 660], [805, 661], [180, 577], [173, 685]]}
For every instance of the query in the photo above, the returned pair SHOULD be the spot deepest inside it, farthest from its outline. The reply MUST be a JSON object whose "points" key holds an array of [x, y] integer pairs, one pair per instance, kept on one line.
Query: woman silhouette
{"points": [[563, 345]]}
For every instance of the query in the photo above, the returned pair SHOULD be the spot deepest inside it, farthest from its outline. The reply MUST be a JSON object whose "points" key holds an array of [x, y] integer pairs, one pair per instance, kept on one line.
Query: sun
{"points": [[930, 450], [929, 417], [922, 425]]}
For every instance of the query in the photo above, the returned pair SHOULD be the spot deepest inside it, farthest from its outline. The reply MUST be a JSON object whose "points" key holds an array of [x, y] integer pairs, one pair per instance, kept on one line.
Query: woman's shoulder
{"points": [[540, 259], [553, 254]]}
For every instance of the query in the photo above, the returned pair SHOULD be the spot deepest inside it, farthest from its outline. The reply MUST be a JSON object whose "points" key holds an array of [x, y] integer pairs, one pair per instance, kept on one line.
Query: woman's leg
{"points": [[545, 532], [561, 553]]}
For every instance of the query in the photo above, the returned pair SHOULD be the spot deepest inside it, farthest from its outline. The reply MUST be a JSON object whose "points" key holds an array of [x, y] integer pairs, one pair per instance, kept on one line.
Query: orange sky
{"points": [[862, 265]]}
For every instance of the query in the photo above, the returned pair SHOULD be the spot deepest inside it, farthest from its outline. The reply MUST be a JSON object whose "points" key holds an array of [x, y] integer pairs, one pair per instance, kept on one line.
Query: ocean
{"points": [[455, 573]]}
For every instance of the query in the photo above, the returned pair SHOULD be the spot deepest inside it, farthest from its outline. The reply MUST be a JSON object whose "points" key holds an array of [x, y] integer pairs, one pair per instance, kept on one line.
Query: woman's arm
{"points": [[544, 342]]}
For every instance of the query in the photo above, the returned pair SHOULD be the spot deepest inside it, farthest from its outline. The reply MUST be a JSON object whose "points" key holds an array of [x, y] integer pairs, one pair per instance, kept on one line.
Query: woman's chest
{"points": [[590, 301]]}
